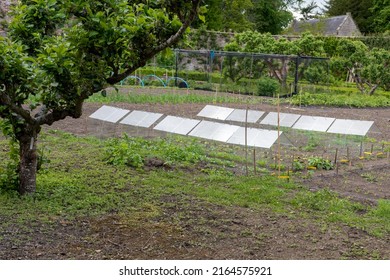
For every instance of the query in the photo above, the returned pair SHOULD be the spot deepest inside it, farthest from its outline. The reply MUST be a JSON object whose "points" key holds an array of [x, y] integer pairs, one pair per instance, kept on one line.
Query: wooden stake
{"points": [[292, 164], [278, 135], [246, 141], [335, 156], [288, 174], [372, 148], [361, 149], [254, 161]]}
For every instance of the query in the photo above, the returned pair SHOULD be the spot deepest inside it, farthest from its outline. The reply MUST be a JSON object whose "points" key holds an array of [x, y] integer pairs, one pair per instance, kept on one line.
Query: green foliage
{"points": [[382, 210], [163, 98], [298, 165], [134, 152], [341, 100], [312, 143], [270, 16], [320, 163], [315, 74], [267, 87], [58, 53], [9, 179], [234, 16]]}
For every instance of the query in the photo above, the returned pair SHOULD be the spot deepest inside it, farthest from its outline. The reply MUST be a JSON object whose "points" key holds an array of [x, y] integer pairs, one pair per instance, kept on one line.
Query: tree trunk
{"points": [[28, 162], [373, 89]]}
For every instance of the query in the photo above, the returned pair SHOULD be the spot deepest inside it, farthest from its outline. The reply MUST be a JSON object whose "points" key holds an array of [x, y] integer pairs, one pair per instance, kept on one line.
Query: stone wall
{"points": [[4, 8]]}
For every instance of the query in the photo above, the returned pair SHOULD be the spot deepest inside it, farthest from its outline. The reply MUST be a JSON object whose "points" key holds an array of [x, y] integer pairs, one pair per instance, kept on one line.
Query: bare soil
{"points": [[194, 229]]}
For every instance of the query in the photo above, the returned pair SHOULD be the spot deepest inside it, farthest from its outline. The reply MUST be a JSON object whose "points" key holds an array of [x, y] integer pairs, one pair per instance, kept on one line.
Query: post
{"points": [[176, 66], [292, 164], [246, 140], [254, 161], [297, 62]]}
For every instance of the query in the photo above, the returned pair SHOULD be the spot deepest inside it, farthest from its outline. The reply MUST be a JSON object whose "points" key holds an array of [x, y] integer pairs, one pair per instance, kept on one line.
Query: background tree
{"points": [[59, 53], [255, 42], [356, 58], [270, 16], [381, 20], [235, 15], [247, 15], [213, 16], [309, 11]]}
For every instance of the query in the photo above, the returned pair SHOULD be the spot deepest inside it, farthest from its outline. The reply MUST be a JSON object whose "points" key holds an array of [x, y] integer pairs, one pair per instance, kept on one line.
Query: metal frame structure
{"points": [[211, 54]]}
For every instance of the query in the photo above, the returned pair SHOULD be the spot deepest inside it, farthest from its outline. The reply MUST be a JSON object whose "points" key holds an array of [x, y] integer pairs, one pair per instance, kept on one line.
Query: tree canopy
{"points": [[248, 15], [58, 53]]}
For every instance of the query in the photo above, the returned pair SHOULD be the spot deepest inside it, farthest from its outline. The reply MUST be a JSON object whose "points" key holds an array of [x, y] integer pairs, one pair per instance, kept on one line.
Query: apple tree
{"points": [[57, 53]]}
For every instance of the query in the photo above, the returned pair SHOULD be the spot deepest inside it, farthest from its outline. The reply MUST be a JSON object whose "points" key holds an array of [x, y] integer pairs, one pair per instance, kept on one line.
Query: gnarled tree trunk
{"points": [[28, 161]]}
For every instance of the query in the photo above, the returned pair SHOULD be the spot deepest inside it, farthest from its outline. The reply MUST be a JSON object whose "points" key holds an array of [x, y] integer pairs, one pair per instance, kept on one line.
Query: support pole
{"points": [[176, 66], [297, 62]]}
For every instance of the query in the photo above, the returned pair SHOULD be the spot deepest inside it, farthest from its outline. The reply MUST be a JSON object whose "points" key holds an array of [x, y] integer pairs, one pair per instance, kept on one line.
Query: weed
{"points": [[369, 177], [298, 165], [312, 143]]}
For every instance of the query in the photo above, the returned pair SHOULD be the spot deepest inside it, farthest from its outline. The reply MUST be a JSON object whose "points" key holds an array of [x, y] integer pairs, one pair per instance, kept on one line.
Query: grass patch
{"points": [[356, 100], [125, 94]]}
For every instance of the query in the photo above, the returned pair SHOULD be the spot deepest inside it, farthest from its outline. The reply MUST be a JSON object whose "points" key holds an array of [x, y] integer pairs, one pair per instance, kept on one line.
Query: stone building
{"points": [[343, 26]]}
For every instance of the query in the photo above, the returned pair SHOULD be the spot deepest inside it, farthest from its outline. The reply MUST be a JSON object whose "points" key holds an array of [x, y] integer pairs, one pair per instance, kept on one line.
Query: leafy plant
{"points": [[298, 165], [320, 163]]}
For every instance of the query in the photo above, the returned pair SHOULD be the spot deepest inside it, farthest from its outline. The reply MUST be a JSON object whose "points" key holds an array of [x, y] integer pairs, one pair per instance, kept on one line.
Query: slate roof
{"points": [[325, 26]]}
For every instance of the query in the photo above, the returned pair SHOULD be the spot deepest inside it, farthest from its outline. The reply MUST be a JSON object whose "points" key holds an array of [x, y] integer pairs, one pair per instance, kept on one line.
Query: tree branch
{"points": [[6, 100], [172, 40], [45, 117]]}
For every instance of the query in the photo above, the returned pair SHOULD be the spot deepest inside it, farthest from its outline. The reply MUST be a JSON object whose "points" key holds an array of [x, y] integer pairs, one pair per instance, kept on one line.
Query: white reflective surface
{"points": [[176, 125], [286, 120], [109, 114], [314, 123], [141, 118]]}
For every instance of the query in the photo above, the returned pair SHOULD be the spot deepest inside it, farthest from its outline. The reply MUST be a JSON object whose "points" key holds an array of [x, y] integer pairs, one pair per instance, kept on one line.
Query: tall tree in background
{"points": [[58, 53], [235, 15], [248, 15], [270, 16], [381, 20], [308, 11], [213, 16], [361, 11]]}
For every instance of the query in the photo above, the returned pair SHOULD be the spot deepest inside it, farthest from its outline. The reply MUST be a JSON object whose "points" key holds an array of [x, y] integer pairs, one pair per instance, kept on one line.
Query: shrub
{"points": [[267, 87], [315, 74]]}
